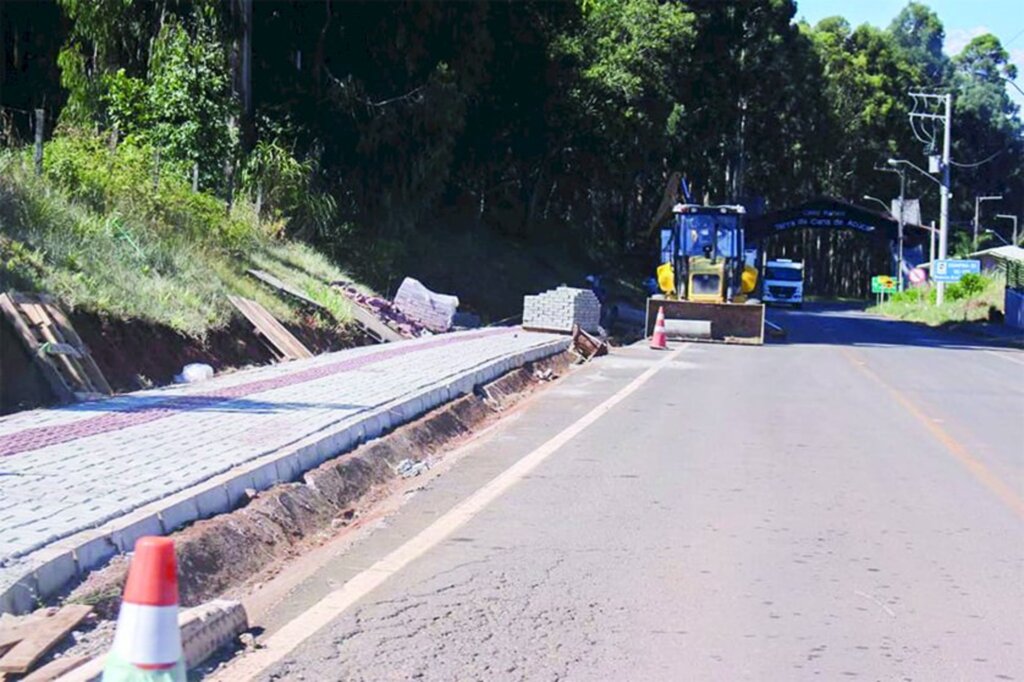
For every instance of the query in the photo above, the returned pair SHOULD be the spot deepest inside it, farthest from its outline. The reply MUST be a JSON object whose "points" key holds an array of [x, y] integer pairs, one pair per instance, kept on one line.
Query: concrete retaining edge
{"points": [[50, 569]]}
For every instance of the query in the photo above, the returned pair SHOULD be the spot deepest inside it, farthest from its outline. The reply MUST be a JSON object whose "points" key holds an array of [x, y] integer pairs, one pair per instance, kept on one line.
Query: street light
{"points": [[868, 197], [903, 162], [996, 234], [1005, 216], [903, 213], [977, 207]]}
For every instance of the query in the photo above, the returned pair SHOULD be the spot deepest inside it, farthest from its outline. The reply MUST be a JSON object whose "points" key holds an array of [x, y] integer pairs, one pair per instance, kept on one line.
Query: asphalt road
{"points": [[845, 505]]}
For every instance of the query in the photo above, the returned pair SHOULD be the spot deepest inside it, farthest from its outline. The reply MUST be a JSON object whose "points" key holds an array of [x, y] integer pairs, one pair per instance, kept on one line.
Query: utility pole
{"points": [[38, 152], [947, 136], [903, 211], [930, 102], [977, 214], [931, 246]]}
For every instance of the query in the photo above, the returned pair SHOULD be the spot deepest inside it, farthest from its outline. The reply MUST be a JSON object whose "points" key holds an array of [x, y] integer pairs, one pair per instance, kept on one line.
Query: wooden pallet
{"points": [[55, 347], [279, 340]]}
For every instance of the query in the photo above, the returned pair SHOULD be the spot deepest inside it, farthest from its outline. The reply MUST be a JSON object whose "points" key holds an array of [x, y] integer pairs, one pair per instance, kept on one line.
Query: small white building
{"points": [[997, 257], [1010, 261]]}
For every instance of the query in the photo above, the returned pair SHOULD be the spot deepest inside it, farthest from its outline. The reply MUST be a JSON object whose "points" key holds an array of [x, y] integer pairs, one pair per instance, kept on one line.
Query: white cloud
{"points": [[957, 38]]}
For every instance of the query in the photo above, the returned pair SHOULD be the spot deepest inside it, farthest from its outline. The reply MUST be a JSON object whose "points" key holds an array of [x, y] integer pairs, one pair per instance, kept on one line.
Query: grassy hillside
{"points": [[105, 232]]}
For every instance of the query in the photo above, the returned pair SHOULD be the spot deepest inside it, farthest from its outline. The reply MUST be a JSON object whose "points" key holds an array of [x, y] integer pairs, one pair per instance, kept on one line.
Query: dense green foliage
{"points": [[358, 122]]}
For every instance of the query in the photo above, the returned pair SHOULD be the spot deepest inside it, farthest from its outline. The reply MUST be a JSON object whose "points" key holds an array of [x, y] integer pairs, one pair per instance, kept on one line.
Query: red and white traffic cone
{"points": [[147, 644], [658, 340]]}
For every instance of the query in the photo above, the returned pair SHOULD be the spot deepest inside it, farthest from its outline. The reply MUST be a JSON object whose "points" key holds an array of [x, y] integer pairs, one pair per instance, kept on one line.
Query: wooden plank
{"points": [[280, 334], [267, 325], [12, 634], [37, 314], [60, 389], [68, 330], [276, 283], [370, 322], [55, 668], [47, 633], [270, 329], [266, 328]]}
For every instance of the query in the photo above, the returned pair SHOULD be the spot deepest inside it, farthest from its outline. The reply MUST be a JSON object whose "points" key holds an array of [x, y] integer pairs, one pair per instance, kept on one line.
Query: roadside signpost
{"points": [[951, 269], [883, 284]]}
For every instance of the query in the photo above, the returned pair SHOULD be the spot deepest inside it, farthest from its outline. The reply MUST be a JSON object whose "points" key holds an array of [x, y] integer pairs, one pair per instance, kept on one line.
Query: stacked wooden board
{"points": [[281, 342], [55, 347], [23, 641]]}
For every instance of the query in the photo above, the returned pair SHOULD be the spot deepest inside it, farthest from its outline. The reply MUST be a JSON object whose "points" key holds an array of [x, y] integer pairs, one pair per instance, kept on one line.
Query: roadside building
{"points": [[1008, 260]]}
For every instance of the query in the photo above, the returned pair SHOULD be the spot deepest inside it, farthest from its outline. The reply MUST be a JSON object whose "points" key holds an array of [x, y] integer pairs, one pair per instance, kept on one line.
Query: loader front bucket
{"points": [[714, 322]]}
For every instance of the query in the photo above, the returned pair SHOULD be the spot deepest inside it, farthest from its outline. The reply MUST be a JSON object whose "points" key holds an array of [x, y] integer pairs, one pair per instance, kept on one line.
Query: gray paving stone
{"points": [[326, 404]]}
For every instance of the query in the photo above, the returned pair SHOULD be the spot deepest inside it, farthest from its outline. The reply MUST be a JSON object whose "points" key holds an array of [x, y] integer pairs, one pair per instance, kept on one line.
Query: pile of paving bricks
{"points": [[432, 310], [560, 309], [386, 311]]}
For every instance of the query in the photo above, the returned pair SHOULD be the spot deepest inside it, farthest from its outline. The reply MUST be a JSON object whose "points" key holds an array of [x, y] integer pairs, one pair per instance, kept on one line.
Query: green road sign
{"points": [[883, 284]]}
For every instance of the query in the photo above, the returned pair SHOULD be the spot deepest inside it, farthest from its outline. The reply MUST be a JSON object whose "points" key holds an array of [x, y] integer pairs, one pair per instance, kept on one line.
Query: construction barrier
{"points": [[658, 338]]}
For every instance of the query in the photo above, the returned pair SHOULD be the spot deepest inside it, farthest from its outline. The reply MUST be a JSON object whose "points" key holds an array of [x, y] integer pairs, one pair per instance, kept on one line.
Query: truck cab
{"points": [[783, 282]]}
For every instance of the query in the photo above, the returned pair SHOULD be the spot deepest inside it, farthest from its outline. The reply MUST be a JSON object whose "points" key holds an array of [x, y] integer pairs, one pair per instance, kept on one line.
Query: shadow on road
{"points": [[847, 324]]}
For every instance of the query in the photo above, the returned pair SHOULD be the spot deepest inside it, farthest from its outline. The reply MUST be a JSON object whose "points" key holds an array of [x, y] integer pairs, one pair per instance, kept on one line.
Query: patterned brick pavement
{"points": [[66, 470]]}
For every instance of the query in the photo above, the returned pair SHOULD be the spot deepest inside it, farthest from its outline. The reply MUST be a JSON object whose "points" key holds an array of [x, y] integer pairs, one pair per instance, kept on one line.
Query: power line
{"points": [[975, 165], [1016, 35]]}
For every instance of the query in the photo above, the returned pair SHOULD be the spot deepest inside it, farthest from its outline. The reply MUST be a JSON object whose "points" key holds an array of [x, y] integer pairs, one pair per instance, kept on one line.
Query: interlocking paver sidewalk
{"points": [[67, 470]]}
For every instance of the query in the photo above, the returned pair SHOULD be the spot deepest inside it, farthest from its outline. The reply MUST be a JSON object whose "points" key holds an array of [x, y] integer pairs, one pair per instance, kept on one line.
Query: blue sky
{"points": [[962, 19]]}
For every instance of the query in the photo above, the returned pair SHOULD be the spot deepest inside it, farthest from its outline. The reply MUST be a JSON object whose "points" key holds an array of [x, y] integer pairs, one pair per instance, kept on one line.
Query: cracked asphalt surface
{"points": [[846, 505]]}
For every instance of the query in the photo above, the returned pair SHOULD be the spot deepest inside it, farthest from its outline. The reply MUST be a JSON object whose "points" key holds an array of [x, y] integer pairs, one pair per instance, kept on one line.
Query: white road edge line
{"points": [[1004, 356], [296, 631]]}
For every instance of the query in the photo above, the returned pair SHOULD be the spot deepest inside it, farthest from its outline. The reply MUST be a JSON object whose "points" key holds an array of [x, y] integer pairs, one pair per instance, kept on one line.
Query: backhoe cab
{"points": [[704, 279]]}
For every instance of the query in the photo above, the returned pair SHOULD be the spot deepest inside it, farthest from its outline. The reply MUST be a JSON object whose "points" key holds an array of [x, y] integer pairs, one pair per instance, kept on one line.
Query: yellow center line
{"points": [[959, 452]]}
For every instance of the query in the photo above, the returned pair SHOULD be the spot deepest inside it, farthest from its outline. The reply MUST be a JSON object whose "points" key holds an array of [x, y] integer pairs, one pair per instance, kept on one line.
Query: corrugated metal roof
{"points": [[1014, 253]]}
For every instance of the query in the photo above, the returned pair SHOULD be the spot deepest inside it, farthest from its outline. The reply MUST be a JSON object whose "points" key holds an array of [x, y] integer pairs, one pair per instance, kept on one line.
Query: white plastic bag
{"points": [[194, 372]]}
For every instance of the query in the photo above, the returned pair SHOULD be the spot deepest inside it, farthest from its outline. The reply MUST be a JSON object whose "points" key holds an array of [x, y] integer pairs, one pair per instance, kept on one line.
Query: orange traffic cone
{"points": [[658, 339], [147, 644]]}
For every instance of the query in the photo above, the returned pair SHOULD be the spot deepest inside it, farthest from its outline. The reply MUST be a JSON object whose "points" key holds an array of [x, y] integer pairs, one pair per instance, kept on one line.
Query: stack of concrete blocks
{"points": [[561, 308], [432, 310]]}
